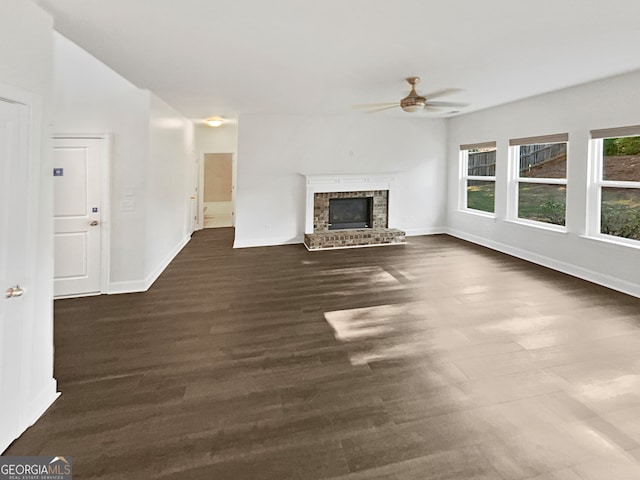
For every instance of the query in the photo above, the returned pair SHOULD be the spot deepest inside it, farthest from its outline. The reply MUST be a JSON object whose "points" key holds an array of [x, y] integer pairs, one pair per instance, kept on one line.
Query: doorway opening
{"points": [[218, 189]]}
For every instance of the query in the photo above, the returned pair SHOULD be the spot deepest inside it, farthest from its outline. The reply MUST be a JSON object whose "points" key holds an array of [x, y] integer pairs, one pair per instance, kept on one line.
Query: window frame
{"points": [[597, 183], [515, 180], [465, 178]]}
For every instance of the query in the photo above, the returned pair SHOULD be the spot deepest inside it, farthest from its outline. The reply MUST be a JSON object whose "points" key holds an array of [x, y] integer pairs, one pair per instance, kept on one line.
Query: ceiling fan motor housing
{"points": [[413, 103]]}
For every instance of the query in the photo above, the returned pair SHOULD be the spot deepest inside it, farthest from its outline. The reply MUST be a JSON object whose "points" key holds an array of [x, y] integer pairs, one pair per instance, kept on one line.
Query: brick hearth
{"points": [[361, 237]]}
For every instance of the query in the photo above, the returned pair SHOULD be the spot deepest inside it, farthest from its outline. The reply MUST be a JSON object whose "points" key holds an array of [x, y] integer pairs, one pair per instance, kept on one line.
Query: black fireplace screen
{"points": [[350, 213]]}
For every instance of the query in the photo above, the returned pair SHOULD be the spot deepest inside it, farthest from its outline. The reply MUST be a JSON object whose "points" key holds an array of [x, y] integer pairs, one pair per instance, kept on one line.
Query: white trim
{"points": [[464, 178], [544, 181], [78, 295], [200, 225], [595, 186], [417, 232], [480, 178], [478, 213], [234, 178], [267, 242], [513, 188], [552, 227], [348, 183], [107, 148], [463, 169], [31, 407], [594, 173], [598, 278], [613, 240], [234, 174], [153, 276], [133, 286], [619, 184], [105, 201], [42, 403]]}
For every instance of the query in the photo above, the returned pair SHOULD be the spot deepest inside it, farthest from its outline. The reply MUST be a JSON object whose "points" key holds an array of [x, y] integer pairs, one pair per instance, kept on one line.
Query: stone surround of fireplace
{"points": [[321, 203], [320, 189]]}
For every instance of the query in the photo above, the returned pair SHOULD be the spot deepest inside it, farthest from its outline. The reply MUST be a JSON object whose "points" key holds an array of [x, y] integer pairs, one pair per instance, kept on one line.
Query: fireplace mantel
{"points": [[346, 183]]}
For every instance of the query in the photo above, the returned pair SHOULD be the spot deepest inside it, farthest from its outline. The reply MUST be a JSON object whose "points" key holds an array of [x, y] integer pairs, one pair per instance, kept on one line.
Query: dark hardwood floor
{"points": [[434, 360]]}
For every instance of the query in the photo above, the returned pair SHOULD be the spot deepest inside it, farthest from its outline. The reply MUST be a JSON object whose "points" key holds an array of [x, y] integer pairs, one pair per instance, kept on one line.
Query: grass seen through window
{"points": [[620, 207], [542, 202]]}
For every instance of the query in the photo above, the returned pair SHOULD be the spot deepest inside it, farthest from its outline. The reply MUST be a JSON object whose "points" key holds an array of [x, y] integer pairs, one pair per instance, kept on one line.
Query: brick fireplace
{"points": [[321, 189]]}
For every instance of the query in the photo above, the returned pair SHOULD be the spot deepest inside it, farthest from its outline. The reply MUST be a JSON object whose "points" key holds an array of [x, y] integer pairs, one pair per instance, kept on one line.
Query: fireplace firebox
{"points": [[345, 213]]}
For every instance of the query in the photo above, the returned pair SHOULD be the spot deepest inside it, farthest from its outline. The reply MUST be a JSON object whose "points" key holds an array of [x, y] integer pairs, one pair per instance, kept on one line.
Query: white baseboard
{"points": [[41, 403], [77, 295], [573, 270], [30, 413], [133, 286], [267, 242], [136, 286], [414, 232], [153, 276]]}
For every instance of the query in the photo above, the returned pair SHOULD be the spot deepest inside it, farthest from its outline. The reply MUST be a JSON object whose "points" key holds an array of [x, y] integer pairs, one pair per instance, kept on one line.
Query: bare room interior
{"points": [[321, 240]]}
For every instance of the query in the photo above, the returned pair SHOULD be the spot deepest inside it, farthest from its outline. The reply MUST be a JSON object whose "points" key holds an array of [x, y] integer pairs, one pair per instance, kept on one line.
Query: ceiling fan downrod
{"points": [[413, 102]]}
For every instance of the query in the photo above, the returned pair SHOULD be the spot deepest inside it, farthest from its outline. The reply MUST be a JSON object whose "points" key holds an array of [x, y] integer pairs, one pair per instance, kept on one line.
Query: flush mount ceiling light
{"points": [[214, 122]]}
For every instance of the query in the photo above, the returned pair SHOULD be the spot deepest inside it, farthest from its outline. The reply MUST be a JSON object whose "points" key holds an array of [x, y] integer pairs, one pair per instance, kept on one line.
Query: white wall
{"points": [[90, 98], [222, 139], [608, 103], [26, 58], [170, 184], [274, 150], [152, 164]]}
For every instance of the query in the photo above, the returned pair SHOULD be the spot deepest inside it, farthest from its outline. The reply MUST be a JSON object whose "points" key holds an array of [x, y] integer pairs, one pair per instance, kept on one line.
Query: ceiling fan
{"points": [[414, 102]]}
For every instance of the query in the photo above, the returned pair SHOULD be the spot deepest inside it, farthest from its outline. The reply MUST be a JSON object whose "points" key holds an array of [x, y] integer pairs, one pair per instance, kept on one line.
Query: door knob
{"points": [[14, 292], [94, 223]]}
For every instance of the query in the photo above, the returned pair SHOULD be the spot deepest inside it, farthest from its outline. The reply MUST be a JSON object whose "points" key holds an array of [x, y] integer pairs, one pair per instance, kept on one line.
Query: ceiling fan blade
{"points": [[442, 93], [383, 108], [374, 105], [447, 104]]}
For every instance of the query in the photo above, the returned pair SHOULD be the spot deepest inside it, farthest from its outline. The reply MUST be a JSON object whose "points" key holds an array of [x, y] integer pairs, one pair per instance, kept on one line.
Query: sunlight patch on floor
{"points": [[376, 333], [372, 275], [611, 388]]}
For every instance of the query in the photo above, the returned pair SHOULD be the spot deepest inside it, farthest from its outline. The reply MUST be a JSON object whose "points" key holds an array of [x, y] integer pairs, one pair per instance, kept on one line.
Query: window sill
{"points": [[539, 225], [477, 213], [611, 240]]}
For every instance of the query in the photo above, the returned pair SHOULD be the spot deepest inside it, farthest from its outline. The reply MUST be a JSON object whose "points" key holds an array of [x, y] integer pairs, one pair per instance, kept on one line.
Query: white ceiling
{"points": [[229, 57]]}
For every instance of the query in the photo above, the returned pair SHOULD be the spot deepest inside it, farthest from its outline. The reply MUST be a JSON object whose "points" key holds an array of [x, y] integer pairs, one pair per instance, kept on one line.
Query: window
{"points": [[479, 176], [617, 167], [540, 166]]}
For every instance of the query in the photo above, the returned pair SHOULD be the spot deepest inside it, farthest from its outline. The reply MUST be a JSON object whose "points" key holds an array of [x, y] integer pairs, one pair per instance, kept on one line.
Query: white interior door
{"points": [[77, 216], [13, 233]]}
